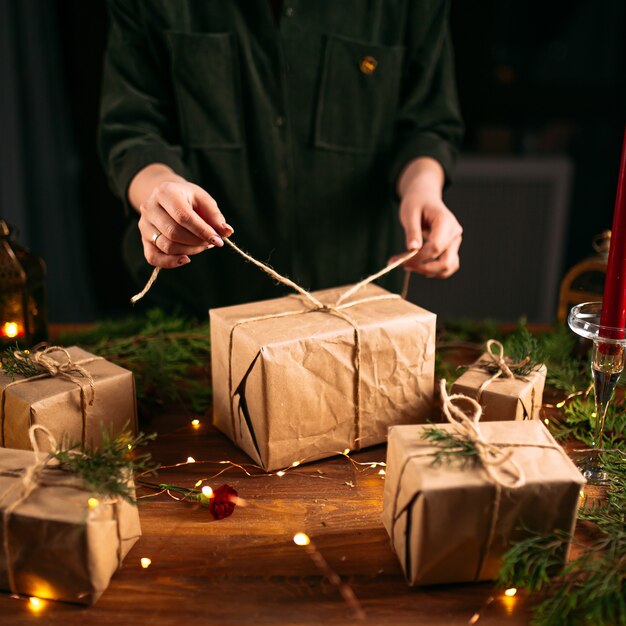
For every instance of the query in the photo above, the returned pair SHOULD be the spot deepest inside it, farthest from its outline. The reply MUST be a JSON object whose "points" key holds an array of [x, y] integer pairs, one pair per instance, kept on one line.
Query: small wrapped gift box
{"points": [[449, 524], [82, 398], [58, 540], [500, 389], [293, 382]]}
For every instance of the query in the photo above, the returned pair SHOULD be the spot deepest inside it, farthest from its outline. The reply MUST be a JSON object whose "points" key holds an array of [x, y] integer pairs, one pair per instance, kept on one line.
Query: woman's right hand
{"points": [[177, 218]]}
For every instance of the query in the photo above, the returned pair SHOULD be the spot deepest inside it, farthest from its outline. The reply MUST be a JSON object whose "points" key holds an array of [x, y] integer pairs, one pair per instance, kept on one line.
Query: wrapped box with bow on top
{"points": [[58, 540], [73, 393], [451, 521], [296, 379], [505, 390]]}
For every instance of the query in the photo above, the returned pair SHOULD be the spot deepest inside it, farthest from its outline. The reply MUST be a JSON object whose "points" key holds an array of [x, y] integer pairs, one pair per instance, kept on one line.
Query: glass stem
{"points": [[607, 364]]}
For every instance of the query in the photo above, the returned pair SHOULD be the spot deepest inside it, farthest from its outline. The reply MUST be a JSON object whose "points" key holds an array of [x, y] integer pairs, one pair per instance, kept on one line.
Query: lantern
{"points": [[585, 281], [22, 293]]}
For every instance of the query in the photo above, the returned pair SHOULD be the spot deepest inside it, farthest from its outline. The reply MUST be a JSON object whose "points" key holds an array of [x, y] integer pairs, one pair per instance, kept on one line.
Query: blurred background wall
{"points": [[542, 92]]}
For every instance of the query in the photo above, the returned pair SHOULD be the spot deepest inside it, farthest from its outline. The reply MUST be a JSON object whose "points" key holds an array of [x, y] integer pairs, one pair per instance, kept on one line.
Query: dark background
{"points": [[535, 79]]}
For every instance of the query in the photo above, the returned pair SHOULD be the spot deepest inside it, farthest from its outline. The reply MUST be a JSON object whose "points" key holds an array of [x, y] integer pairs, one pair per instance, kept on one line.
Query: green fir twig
{"points": [[108, 469], [590, 589], [17, 367], [168, 354], [188, 494], [452, 449]]}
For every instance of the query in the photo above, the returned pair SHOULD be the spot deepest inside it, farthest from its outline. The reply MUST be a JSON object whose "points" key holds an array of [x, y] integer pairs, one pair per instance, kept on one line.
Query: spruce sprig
{"points": [[168, 354], [452, 449], [188, 494], [522, 344], [578, 422], [17, 367], [591, 588], [108, 469]]}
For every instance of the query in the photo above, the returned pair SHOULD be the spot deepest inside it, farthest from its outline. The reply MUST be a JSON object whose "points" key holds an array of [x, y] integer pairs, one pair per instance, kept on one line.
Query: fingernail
{"points": [[216, 241], [209, 246], [183, 260], [228, 227], [414, 244]]}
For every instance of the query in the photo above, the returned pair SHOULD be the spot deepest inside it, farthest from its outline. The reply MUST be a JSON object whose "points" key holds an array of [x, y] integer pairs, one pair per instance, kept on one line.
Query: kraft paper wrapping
{"points": [[504, 398], [293, 378], [441, 526], [54, 402], [60, 549]]}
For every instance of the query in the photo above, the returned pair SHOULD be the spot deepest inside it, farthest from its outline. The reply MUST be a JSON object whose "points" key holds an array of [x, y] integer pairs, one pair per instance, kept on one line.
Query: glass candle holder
{"points": [[607, 364]]}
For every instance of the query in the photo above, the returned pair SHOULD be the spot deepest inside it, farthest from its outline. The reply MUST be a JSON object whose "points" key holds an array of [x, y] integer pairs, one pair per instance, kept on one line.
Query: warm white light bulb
{"points": [[301, 539]]}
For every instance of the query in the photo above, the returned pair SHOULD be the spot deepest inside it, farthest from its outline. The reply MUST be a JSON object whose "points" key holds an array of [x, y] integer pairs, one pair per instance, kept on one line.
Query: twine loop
{"points": [[30, 480], [337, 309], [503, 363], [69, 370], [496, 461], [72, 371]]}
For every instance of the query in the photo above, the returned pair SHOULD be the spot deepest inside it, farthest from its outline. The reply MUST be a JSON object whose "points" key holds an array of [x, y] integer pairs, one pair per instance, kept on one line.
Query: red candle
{"points": [[614, 301]]}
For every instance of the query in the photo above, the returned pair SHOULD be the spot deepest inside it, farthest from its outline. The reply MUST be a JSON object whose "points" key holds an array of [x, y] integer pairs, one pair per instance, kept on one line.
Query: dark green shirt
{"points": [[298, 129]]}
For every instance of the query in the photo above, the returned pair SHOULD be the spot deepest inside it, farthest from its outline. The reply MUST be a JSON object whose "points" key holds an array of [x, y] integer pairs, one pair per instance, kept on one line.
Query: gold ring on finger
{"points": [[155, 236]]}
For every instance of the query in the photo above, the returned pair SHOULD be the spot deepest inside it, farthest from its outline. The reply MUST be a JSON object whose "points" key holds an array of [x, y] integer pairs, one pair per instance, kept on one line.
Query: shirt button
{"points": [[368, 64], [289, 12], [280, 121]]}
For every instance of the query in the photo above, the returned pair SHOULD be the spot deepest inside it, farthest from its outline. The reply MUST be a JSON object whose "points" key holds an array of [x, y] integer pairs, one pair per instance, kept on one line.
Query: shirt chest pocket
{"points": [[204, 71], [358, 95]]}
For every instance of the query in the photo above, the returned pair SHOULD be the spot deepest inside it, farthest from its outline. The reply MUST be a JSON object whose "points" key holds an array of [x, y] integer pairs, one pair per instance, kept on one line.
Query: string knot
{"points": [[497, 462], [45, 364], [502, 362]]}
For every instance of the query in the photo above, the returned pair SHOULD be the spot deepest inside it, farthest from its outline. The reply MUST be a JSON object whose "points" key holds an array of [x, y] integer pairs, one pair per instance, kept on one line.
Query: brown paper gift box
{"points": [[439, 517], [54, 402], [504, 398], [293, 377], [59, 547]]}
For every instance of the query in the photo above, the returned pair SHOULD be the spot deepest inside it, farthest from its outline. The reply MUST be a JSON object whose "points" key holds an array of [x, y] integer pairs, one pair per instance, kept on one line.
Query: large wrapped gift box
{"points": [[56, 543], [448, 524], [503, 398], [285, 381], [55, 402]]}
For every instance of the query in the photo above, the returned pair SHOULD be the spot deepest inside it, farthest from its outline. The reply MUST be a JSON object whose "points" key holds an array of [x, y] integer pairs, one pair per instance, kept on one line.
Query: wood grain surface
{"points": [[246, 569]]}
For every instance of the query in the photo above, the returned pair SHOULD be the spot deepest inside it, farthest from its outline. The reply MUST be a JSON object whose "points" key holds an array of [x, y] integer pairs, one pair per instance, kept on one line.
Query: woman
{"points": [[305, 126]]}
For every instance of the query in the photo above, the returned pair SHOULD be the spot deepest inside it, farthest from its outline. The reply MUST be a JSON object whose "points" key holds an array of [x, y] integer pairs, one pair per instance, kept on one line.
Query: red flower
{"points": [[223, 502]]}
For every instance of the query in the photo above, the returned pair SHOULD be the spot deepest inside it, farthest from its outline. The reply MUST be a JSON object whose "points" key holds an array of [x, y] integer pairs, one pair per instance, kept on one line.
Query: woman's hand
{"points": [[178, 218], [428, 223]]}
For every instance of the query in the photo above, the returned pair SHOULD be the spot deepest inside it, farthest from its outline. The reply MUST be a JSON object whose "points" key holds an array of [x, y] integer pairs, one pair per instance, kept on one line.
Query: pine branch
{"points": [[168, 354], [578, 422], [453, 449], [108, 470], [591, 588], [17, 367]]}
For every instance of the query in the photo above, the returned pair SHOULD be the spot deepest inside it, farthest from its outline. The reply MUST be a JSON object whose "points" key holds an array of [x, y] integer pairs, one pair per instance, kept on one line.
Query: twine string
{"points": [[30, 480], [73, 371], [28, 484], [495, 459], [495, 351], [288, 282], [337, 309]]}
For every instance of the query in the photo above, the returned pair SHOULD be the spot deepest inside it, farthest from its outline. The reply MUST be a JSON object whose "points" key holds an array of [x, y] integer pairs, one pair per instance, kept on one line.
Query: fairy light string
{"points": [[347, 593]]}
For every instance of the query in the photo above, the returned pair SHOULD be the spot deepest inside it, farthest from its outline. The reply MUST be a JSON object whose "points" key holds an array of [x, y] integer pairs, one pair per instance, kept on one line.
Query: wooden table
{"points": [[246, 569]]}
